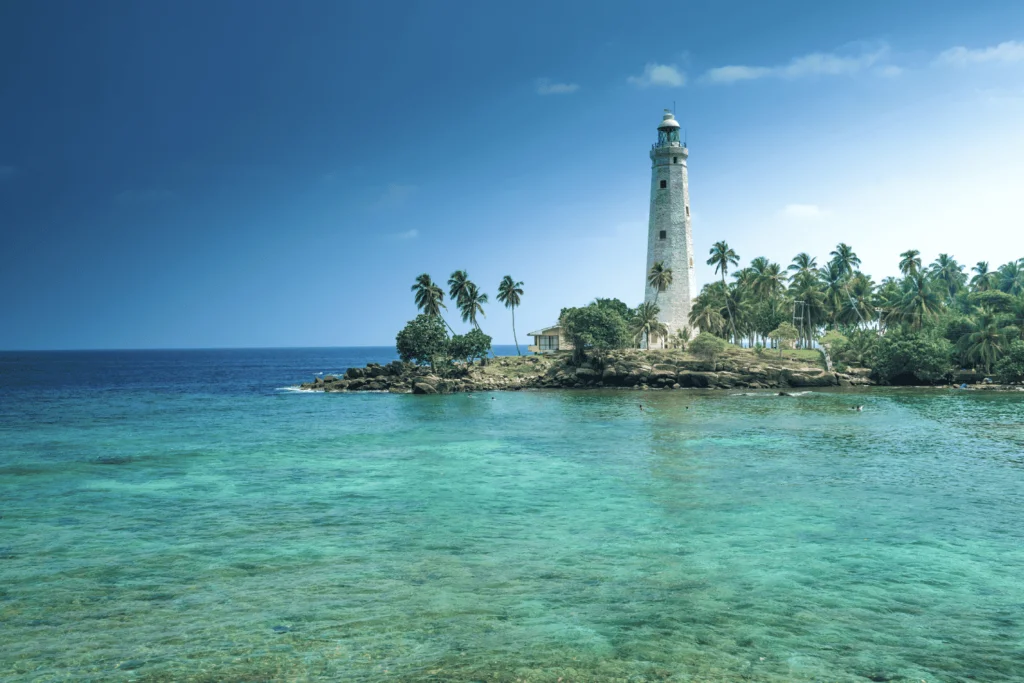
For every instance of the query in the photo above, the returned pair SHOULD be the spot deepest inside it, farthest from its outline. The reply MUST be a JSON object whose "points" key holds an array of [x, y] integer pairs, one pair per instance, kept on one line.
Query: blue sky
{"points": [[276, 174]]}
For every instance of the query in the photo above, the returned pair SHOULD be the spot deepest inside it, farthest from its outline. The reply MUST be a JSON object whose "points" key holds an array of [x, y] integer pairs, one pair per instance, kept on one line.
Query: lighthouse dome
{"points": [[668, 121]]}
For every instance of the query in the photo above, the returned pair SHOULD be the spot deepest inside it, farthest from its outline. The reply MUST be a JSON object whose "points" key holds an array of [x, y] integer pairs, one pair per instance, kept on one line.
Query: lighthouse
{"points": [[669, 238]]}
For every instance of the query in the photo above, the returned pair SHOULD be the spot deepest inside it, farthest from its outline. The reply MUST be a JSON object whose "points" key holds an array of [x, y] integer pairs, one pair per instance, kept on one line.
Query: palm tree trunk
{"points": [[514, 331], [728, 309]]}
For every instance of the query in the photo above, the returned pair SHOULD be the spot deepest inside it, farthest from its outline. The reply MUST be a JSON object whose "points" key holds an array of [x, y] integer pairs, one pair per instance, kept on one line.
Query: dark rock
{"points": [[587, 375], [330, 378], [423, 388], [354, 373]]}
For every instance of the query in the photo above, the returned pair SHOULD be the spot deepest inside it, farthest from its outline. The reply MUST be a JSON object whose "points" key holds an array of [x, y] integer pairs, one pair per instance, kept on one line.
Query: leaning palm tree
{"points": [[458, 285], [910, 262], [722, 256], [769, 279], [510, 293], [429, 297], [645, 323], [472, 305], [982, 280], [659, 278]]}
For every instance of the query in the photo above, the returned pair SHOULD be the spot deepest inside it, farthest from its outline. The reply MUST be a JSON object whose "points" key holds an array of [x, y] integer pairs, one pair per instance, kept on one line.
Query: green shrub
{"points": [[423, 341], [905, 357], [707, 346], [597, 328], [1010, 368], [470, 346], [784, 335]]}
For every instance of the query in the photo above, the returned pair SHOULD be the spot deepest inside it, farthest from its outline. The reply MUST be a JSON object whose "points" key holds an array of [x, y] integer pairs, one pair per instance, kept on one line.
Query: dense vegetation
{"points": [[430, 340], [915, 328]]}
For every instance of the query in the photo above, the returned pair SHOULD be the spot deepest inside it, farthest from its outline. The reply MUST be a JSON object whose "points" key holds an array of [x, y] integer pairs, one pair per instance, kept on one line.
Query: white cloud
{"points": [[546, 87], [407, 235], [889, 71], [1007, 52], [667, 75], [803, 211], [815, 64]]}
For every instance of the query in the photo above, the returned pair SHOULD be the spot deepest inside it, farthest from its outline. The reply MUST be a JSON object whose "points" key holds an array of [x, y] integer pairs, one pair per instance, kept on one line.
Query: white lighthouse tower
{"points": [[669, 239]]}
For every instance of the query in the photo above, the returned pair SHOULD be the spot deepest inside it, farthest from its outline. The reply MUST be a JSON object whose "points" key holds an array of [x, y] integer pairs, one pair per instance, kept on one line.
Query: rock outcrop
{"points": [[628, 369]]}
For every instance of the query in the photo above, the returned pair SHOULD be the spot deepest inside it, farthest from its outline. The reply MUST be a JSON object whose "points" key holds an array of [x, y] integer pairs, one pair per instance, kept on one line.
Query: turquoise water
{"points": [[162, 526]]}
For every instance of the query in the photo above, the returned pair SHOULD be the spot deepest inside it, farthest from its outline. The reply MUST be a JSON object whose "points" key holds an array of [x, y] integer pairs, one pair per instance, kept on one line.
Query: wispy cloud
{"points": [[149, 196], [814, 64], [664, 75], [803, 211], [546, 87], [7, 172], [406, 235], [1008, 52], [394, 195]]}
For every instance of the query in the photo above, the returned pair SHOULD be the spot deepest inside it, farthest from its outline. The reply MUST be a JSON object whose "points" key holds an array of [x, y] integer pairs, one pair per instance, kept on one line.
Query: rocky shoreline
{"points": [[632, 369]]}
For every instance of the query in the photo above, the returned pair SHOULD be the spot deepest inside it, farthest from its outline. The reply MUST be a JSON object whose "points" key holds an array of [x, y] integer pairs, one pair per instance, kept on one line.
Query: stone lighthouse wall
{"points": [[669, 236]]}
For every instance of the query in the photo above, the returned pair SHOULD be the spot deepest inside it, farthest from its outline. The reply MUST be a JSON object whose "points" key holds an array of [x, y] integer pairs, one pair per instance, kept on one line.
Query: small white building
{"points": [[549, 340]]}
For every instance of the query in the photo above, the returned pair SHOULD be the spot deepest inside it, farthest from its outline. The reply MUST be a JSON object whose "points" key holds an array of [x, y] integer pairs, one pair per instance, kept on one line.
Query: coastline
{"points": [[624, 369]]}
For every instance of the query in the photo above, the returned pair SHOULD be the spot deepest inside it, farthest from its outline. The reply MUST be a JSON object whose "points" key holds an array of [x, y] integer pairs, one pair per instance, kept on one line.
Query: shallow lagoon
{"points": [[158, 530]]}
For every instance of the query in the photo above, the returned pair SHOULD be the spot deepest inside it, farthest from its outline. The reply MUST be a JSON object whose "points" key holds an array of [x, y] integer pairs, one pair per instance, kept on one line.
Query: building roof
{"points": [[668, 121], [545, 330]]}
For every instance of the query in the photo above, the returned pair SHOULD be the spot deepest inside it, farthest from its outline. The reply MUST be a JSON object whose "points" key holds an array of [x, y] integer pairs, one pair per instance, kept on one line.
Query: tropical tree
{"points": [[472, 305], [510, 293], [910, 262], [645, 323], [844, 259], [1010, 277], [784, 335], [769, 280], [659, 278], [429, 297], [919, 302], [983, 278], [949, 273], [989, 340], [804, 264], [722, 256], [458, 286]]}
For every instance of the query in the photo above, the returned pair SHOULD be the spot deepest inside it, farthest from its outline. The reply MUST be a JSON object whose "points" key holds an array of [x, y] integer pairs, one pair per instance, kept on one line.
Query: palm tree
{"points": [[769, 279], [458, 285], [472, 305], [833, 282], [659, 278], [510, 293], [982, 281], [705, 315], [845, 260], [429, 297], [1010, 277], [645, 324], [919, 301], [910, 262], [951, 274], [805, 288], [722, 256], [859, 290], [988, 340], [803, 263]]}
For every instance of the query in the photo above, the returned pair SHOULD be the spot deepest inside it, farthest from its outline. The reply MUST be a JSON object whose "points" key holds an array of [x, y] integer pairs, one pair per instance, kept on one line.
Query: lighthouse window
{"points": [[662, 235], [675, 160], [687, 212], [664, 184]]}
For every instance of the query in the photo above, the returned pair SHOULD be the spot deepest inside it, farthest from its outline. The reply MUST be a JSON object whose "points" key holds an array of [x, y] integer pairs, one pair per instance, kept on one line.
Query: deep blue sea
{"points": [[187, 516]]}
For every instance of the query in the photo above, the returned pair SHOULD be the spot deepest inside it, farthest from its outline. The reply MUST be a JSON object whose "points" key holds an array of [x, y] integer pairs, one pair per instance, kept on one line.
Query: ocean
{"points": [[189, 516]]}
